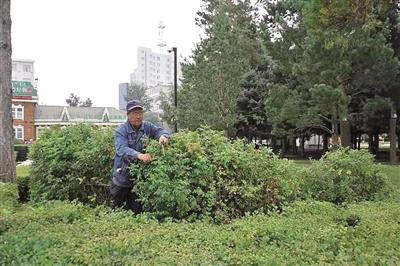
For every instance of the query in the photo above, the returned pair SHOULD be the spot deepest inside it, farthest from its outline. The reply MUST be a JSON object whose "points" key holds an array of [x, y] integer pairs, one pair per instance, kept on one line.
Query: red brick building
{"points": [[24, 102]]}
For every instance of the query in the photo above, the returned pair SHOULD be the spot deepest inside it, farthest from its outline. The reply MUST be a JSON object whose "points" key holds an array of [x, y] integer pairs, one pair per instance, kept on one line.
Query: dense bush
{"points": [[21, 151], [344, 176], [203, 174], [72, 163], [307, 233], [23, 182], [8, 197]]}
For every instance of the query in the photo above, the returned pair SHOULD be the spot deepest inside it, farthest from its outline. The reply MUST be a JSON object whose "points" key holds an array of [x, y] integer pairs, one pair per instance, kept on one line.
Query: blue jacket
{"points": [[128, 145]]}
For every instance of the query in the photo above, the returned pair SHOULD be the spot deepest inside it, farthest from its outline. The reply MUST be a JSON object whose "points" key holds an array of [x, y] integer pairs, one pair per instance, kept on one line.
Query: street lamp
{"points": [[174, 49]]}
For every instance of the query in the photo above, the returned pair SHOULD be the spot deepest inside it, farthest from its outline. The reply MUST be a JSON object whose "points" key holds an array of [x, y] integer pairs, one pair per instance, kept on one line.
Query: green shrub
{"points": [[8, 198], [21, 151], [72, 163], [203, 174], [344, 176], [23, 182], [306, 233]]}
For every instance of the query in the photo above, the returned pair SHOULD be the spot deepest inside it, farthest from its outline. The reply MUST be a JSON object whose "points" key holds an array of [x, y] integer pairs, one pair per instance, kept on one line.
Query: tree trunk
{"points": [[335, 134], [345, 133], [325, 143], [7, 160], [284, 146], [392, 135], [273, 143], [371, 143], [302, 140], [294, 145], [376, 143], [359, 141]]}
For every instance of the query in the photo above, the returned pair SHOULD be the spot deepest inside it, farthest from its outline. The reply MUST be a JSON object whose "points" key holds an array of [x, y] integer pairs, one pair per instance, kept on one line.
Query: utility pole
{"points": [[175, 50]]}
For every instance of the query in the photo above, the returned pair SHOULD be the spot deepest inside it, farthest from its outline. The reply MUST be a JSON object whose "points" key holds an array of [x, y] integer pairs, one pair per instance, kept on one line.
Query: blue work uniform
{"points": [[128, 145]]}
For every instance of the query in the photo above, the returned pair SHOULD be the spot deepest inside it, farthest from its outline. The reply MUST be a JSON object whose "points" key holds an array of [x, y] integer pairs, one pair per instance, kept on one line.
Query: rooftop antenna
{"points": [[161, 42]]}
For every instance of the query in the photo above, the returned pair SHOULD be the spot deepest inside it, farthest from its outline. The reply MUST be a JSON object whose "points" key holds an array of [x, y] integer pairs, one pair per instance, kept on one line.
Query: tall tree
{"points": [[139, 92], [252, 121], [7, 161], [393, 14], [211, 80]]}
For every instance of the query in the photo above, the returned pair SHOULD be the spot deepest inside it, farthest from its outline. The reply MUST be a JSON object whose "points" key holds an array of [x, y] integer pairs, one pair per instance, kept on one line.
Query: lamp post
{"points": [[174, 49]]}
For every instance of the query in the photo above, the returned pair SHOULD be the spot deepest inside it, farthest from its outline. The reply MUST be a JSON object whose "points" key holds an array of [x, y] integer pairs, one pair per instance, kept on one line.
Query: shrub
{"points": [[307, 233], [344, 176], [21, 151], [23, 180], [72, 163], [8, 197], [203, 174]]}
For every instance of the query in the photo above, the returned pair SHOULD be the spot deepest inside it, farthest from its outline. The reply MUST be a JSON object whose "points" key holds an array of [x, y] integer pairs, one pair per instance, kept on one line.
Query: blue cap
{"points": [[134, 104]]}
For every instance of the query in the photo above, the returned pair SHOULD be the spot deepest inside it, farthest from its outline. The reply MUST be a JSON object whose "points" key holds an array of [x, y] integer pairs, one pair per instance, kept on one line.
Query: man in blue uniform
{"points": [[129, 149]]}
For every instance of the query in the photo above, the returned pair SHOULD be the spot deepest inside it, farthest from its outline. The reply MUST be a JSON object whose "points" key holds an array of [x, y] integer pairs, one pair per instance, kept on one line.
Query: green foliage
{"points": [[8, 198], [203, 174], [252, 120], [306, 233], [229, 50], [72, 163], [23, 182], [21, 151], [344, 176]]}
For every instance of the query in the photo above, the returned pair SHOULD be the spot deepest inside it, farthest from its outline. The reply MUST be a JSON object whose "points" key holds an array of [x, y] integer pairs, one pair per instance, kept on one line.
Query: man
{"points": [[129, 149]]}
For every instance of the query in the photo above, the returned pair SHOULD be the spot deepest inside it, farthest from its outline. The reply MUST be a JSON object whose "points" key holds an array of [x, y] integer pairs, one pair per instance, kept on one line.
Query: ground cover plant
{"points": [[305, 233]]}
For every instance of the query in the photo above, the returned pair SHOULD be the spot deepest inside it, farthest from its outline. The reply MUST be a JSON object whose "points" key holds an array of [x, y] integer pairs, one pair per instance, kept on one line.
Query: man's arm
{"points": [[158, 133]]}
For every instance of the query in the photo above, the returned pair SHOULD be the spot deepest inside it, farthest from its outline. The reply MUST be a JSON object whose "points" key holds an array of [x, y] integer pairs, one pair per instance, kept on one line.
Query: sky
{"points": [[88, 47]]}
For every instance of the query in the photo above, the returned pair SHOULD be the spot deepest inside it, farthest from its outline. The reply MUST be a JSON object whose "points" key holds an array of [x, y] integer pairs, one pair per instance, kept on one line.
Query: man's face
{"points": [[135, 117]]}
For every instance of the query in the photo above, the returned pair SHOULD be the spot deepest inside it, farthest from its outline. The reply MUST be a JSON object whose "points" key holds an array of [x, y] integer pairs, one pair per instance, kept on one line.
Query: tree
{"points": [[87, 103], [252, 121], [7, 161], [138, 92], [211, 80], [73, 100], [393, 14]]}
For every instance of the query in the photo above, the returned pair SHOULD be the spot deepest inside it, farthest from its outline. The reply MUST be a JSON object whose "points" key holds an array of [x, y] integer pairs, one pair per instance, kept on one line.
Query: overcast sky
{"points": [[88, 47]]}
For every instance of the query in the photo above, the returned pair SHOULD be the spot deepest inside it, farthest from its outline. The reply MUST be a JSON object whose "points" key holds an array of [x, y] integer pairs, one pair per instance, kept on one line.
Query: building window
{"points": [[19, 132], [27, 68], [17, 111]]}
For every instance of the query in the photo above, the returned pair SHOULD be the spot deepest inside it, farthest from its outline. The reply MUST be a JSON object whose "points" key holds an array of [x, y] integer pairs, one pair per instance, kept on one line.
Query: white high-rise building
{"points": [[155, 71], [153, 68]]}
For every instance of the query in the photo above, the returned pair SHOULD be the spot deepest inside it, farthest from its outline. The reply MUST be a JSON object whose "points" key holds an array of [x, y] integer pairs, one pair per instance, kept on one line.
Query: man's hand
{"points": [[163, 140], [144, 157]]}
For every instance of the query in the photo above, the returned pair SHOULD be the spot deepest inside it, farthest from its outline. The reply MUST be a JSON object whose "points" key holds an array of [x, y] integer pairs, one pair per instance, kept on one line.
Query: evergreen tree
{"points": [[211, 79]]}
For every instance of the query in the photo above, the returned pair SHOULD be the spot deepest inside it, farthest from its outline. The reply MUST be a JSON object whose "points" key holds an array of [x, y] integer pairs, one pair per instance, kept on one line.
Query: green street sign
{"points": [[23, 89]]}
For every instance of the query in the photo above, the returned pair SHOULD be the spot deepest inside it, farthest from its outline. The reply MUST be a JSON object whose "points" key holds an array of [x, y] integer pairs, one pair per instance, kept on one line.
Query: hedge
{"points": [[306, 233]]}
